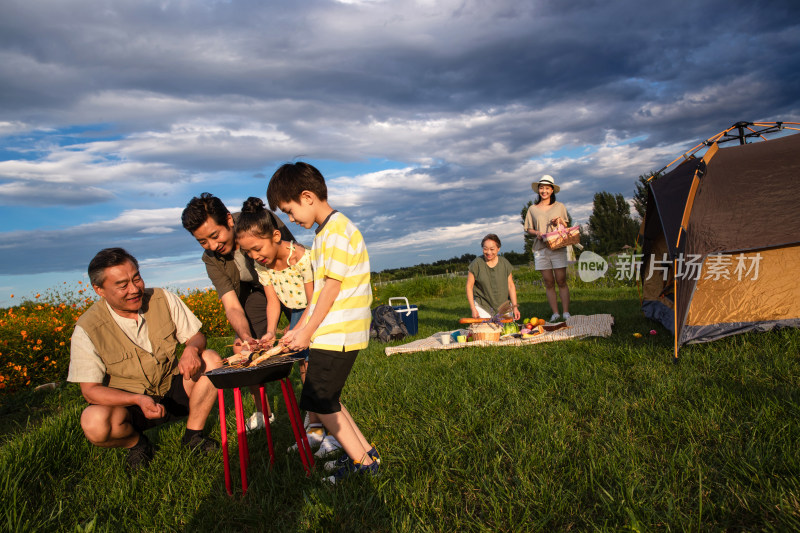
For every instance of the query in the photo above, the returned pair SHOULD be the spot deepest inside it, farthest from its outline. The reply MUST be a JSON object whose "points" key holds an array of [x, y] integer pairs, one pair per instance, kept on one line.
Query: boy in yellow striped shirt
{"points": [[338, 316]]}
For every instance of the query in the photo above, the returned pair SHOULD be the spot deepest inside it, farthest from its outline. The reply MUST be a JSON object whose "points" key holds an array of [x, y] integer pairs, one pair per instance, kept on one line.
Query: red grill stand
{"points": [[241, 431]]}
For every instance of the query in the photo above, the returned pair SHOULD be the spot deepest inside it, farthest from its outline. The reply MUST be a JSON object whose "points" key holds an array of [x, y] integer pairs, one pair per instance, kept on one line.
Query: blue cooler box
{"points": [[407, 314]]}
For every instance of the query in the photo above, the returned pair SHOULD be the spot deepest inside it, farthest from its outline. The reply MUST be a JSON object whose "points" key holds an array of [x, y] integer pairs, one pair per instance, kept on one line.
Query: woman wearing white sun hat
{"points": [[542, 217]]}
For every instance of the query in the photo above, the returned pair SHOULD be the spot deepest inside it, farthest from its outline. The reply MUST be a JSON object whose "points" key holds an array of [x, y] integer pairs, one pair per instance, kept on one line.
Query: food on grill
{"points": [[487, 331], [266, 354], [258, 352], [239, 358]]}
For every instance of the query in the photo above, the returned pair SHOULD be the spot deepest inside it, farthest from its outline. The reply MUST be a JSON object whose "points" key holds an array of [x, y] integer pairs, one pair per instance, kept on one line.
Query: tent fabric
{"points": [[668, 193], [766, 287], [744, 207], [700, 334], [757, 182]]}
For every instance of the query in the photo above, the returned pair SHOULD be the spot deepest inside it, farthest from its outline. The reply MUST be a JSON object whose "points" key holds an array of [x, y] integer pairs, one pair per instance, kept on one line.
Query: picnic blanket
{"points": [[578, 326]]}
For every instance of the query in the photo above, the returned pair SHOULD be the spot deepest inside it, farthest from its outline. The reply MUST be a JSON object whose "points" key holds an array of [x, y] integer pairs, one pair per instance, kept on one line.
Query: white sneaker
{"points": [[315, 437], [566, 316], [256, 421], [328, 446], [554, 318]]}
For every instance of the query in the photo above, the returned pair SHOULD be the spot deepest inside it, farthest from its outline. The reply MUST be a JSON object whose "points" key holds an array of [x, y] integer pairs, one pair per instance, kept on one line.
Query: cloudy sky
{"points": [[429, 119]]}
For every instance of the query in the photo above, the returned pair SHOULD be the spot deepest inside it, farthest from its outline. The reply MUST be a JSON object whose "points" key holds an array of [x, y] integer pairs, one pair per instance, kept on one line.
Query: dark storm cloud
{"points": [[472, 99], [479, 55]]}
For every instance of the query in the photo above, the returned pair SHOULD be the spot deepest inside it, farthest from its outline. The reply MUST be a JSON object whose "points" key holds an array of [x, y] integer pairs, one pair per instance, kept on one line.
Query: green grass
{"points": [[596, 434]]}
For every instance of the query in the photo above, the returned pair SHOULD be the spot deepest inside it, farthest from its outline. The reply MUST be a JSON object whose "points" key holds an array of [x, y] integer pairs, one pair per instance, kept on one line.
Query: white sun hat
{"points": [[546, 180]]}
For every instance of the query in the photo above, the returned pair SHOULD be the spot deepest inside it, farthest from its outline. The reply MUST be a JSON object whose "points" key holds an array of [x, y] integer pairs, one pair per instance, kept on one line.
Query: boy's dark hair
{"points": [[107, 258], [291, 179], [491, 237], [256, 219], [199, 209]]}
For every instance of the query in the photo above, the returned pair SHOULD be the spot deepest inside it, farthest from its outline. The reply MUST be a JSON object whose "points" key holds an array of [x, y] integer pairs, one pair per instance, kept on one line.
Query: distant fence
{"points": [[445, 275], [525, 281]]}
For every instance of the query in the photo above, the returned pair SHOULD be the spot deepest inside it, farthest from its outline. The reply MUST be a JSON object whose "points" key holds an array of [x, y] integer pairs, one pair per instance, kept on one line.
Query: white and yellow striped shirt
{"points": [[339, 253]]}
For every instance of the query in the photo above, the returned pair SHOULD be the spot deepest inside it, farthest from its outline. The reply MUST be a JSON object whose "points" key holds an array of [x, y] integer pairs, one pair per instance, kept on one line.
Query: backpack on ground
{"points": [[386, 325]]}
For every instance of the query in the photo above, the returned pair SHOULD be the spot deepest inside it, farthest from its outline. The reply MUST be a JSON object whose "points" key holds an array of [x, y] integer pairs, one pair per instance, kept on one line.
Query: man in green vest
{"points": [[123, 356], [232, 273]]}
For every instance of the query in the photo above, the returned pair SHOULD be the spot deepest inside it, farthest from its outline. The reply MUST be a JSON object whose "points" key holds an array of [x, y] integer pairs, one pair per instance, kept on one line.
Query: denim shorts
{"points": [[292, 315]]}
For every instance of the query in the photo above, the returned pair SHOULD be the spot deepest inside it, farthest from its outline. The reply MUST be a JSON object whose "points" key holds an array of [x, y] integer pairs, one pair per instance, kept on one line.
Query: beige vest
{"points": [[128, 366]]}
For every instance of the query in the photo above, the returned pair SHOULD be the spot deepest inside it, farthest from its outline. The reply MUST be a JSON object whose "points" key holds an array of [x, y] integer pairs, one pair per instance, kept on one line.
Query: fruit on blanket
{"points": [[540, 322]]}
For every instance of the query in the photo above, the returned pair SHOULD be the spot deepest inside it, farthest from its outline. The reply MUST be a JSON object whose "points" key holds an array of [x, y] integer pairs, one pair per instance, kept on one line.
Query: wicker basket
{"points": [[562, 237], [486, 331]]}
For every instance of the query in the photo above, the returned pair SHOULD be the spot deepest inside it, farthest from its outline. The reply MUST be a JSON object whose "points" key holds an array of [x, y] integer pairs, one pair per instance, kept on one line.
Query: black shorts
{"points": [[176, 406], [327, 371]]}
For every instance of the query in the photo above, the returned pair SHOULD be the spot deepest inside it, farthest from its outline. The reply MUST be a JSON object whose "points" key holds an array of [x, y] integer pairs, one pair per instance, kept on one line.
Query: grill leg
{"points": [[240, 431], [224, 439], [294, 419], [266, 426], [298, 416]]}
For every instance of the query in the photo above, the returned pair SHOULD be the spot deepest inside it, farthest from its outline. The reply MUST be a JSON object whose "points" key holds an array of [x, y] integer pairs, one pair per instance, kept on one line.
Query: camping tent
{"points": [[721, 239]]}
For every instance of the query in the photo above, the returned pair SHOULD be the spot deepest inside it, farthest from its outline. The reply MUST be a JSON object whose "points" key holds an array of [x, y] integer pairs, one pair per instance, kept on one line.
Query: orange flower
{"points": [[37, 295], [59, 328], [61, 343], [38, 341], [12, 295], [23, 333]]}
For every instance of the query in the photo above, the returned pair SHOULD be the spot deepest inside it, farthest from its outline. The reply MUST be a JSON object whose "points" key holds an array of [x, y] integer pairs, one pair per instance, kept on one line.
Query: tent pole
{"points": [[675, 306], [740, 128]]}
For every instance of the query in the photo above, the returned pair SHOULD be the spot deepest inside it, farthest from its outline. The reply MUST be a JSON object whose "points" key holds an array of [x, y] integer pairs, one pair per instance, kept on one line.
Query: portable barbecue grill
{"points": [[234, 377]]}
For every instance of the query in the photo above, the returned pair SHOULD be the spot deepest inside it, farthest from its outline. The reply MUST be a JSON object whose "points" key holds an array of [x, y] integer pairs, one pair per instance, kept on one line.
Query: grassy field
{"points": [[597, 434]]}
